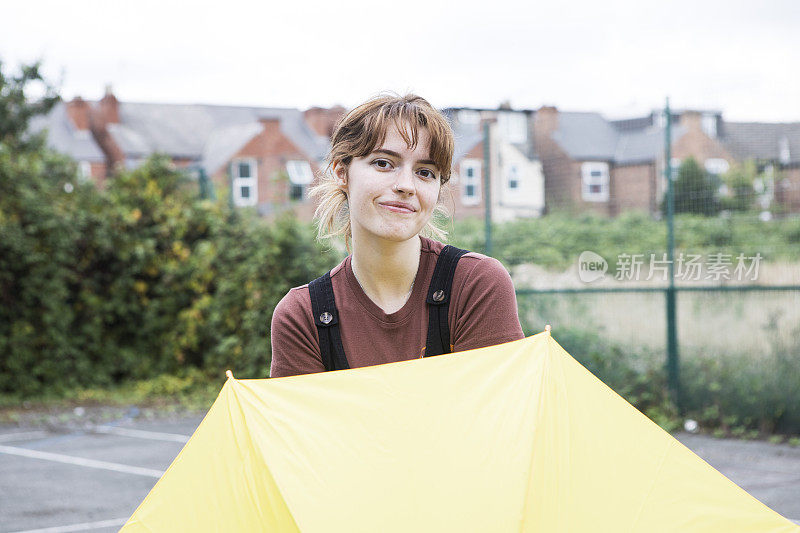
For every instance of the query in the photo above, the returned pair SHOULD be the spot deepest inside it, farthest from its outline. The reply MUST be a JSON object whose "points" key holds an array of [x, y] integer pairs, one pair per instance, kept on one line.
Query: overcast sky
{"points": [[619, 57]]}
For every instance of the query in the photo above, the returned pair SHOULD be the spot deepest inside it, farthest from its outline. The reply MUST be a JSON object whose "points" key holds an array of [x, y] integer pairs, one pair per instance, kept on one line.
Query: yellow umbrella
{"points": [[515, 437]]}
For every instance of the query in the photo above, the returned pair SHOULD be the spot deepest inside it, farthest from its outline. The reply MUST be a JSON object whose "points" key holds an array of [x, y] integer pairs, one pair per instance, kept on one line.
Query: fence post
{"points": [[487, 215], [673, 369]]}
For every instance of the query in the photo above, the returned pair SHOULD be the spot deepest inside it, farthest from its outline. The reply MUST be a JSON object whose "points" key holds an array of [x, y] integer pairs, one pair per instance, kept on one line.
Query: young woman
{"points": [[388, 301]]}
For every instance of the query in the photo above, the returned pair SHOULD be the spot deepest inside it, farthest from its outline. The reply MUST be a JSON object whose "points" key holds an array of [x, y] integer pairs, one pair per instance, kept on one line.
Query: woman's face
{"points": [[393, 190]]}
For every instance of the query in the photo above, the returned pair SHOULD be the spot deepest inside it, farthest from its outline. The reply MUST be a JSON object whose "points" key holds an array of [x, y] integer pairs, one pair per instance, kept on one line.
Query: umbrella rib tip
{"points": [[229, 374]]}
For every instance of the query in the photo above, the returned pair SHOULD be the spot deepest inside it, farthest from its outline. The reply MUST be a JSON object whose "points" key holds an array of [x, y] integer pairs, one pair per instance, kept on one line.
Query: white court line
{"points": [[85, 526], [22, 436], [80, 461], [138, 433]]}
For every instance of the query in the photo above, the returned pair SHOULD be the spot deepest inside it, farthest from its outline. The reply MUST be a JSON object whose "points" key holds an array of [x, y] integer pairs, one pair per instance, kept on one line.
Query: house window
{"points": [[594, 182], [471, 181], [513, 177], [513, 126], [300, 176], [244, 175]]}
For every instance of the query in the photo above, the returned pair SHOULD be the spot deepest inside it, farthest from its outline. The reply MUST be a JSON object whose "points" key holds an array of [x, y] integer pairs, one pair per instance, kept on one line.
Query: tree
{"points": [[739, 181], [694, 189], [17, 108], [34, 240]]}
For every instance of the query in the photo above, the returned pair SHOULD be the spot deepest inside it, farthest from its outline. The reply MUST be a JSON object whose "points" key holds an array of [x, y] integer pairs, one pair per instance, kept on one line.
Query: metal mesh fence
{"points": [[608, 252]]}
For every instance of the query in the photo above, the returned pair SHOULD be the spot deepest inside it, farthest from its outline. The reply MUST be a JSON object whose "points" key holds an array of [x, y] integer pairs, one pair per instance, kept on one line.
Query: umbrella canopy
{"points": [[515, 437]]}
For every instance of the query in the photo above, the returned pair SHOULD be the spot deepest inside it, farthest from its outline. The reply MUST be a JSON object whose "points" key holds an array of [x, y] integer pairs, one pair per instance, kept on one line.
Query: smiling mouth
{"points": [[397, 208]]}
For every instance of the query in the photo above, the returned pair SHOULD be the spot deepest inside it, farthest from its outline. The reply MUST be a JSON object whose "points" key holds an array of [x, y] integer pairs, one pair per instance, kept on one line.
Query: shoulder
{"points": [[293, 336], [471, 264], [478, 264], [295, 301], [298, 299]]}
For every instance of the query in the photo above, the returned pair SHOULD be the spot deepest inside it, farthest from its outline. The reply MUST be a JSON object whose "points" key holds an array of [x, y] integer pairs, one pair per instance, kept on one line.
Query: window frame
{"points": [[474, 181], [512, 176], [588, 180], [300, 177], [237, 182]]}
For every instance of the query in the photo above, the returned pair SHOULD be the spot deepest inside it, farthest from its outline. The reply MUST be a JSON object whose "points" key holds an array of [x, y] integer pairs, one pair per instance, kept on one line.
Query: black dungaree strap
{"points": [[439, 301], [326, 317]]}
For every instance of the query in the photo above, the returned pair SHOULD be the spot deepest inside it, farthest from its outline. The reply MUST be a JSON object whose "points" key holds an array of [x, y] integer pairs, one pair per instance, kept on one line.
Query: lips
{"points": [[398, 207]]}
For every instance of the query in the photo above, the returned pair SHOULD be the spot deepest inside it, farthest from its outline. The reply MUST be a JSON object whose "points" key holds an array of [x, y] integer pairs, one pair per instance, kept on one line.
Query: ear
{"points": [[340, 173]]}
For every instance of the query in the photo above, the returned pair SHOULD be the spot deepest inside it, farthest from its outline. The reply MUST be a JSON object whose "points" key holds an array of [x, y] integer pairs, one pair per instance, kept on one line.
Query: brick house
{"points": [[592, 163], [265, 157], [775, 147], [608, 166], [69, 133], [517, 181]]}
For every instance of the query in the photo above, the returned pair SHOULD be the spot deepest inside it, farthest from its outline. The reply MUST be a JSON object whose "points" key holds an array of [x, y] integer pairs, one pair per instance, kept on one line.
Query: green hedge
{"points": [[139, 280], [556, 240]]}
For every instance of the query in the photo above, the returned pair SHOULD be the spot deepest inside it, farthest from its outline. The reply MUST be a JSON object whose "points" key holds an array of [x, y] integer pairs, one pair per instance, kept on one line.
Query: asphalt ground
{"points": [[92, 477]]}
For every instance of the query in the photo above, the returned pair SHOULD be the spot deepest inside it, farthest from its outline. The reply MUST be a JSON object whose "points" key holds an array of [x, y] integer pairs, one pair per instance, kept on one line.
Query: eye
{"points": [[383, 164], [427, 173]]}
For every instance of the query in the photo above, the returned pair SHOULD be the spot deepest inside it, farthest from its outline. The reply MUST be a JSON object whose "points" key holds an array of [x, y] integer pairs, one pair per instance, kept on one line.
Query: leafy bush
{"points": [[141, 280], [755, 392]]}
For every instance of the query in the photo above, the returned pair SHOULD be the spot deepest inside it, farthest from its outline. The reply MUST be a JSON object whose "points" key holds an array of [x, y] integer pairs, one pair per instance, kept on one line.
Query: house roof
{"points": [[465, 143], [643, 145], [195, 131], [586, 136], [64, 137], [590, 136], [223, 143], [758, 140]]}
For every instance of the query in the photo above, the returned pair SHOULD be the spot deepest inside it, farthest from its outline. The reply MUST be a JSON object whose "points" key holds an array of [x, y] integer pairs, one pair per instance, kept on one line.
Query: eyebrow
{"points": [[397, 155]]}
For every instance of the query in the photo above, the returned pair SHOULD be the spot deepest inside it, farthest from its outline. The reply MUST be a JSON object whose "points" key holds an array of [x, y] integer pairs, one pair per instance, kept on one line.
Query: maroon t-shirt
{"points": [[483, 312]]}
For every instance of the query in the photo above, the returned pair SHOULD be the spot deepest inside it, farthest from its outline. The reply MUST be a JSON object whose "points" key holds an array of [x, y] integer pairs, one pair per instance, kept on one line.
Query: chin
{"points": [[398, 234]]}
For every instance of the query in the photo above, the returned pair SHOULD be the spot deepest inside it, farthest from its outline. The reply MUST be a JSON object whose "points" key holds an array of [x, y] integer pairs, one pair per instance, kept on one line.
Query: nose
{"points": [[404, 182]]}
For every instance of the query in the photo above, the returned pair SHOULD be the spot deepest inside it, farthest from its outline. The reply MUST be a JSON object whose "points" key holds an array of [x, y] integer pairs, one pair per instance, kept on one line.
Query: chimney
{"points": [[691, 120], [78, 112], [109, 107], [546, 119], [271, 124], [323, 120], [107, 112]]}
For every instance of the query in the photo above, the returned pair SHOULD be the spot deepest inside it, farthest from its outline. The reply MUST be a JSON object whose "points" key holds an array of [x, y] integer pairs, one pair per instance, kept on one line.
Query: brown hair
{"points": [[359, 133]]}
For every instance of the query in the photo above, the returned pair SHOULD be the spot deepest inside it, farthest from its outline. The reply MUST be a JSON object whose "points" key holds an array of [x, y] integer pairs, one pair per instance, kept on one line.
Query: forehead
{"points": [[400, 138]]}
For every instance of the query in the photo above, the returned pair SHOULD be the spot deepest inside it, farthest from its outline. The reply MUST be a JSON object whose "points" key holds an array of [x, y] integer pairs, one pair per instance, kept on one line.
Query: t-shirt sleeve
{"points": [[295, 348], [486, 305]]}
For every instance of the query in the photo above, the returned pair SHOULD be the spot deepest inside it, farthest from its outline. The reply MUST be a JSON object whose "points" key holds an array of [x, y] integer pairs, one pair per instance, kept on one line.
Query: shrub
{"points": [[139, 281]]}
